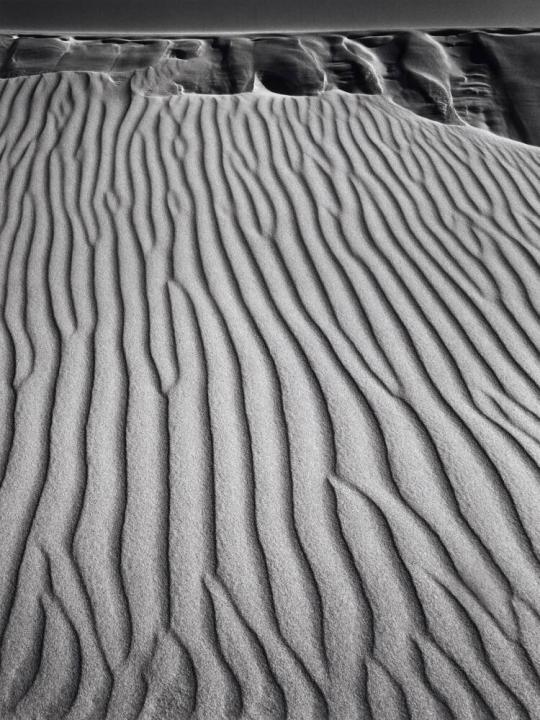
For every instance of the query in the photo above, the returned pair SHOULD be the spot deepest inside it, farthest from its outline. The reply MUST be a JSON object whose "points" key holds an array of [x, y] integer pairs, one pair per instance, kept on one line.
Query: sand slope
{"points": [[269, 382]]}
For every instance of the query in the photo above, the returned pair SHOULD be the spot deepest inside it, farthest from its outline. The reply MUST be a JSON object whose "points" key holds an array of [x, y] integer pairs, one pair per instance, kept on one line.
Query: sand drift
{"points": [[269, 382]]}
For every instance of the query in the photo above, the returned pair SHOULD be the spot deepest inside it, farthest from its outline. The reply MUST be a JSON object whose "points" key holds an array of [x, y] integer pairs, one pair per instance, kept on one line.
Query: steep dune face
{"points": [[269, 384]]}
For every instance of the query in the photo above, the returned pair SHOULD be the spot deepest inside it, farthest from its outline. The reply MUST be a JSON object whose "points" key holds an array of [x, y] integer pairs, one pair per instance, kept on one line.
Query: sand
{"points": [[270, 401]]}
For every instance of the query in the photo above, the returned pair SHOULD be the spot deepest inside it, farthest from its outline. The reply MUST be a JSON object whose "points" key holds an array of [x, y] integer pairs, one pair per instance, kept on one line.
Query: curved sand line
{"points": [[270, 393]]}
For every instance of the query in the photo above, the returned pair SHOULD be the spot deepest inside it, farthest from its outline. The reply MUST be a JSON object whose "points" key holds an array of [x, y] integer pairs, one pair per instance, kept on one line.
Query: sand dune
{"points": [[270, 378], [484, 79]]}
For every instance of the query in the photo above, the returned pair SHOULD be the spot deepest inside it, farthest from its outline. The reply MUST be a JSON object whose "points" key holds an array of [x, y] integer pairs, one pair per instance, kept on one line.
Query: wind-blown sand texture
{"points": [[270, 397]]}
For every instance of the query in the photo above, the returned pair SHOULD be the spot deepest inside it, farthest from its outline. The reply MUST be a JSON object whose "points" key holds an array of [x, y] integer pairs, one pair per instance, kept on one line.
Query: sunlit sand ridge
{"points": [[270, 401]]}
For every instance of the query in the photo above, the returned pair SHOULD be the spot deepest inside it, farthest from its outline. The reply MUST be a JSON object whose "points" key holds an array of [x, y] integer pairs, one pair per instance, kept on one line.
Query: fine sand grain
{"points": [[270, 402]]}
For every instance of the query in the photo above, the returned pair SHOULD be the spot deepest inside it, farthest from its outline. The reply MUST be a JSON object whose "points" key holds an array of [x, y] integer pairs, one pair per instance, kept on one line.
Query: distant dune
{"points": [[269, 388]]}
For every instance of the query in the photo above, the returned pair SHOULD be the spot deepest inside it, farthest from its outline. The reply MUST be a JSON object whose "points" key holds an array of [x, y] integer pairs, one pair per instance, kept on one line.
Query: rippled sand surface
{"points": [[270, 401]]}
